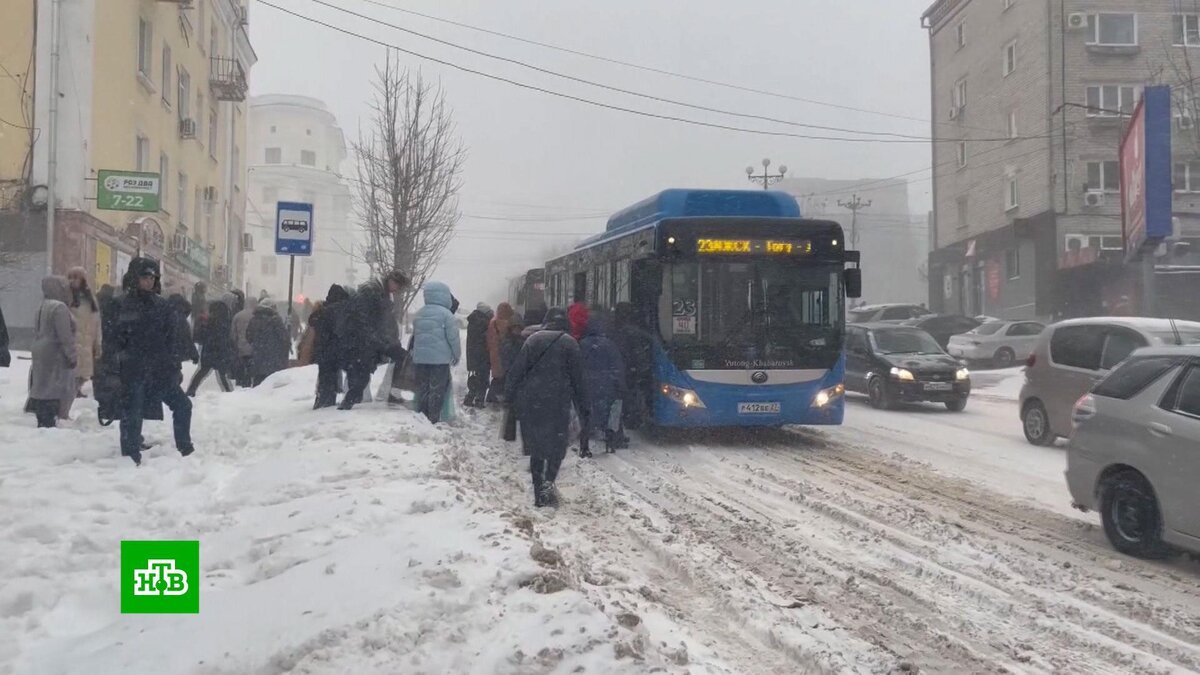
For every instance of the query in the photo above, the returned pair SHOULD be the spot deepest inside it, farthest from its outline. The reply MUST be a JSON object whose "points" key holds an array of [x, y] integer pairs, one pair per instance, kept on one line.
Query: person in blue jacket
{"points": [[437, 345], [604, 375]]}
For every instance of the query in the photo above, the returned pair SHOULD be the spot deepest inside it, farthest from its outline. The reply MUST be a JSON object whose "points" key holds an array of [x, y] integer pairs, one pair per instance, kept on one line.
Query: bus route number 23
{"points": [[683, 308]]}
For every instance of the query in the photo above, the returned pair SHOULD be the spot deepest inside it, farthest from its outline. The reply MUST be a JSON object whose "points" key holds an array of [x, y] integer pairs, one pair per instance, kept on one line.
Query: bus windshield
{"points": [[759, 313]]}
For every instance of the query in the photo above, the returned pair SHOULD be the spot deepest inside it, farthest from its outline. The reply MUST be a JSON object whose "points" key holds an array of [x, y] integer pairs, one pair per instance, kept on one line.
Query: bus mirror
{"points": [[853, 282]]}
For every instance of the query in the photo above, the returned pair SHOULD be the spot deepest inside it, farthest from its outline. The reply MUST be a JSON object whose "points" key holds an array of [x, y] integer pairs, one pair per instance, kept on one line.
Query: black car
{"points": [[892, 364], [943, 326]]}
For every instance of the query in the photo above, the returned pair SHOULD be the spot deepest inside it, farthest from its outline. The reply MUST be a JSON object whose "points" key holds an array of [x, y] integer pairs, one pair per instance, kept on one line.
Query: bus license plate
{"points": [[758, 408], [938, 386]]}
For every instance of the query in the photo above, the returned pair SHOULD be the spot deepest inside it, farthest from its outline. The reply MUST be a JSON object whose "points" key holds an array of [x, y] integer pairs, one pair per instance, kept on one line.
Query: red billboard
{"points": [[1133, 178], [1145, 154]]}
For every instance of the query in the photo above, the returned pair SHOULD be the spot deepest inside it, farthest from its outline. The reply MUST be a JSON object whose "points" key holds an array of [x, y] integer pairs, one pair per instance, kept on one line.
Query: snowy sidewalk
{"points": [[329, 542]]}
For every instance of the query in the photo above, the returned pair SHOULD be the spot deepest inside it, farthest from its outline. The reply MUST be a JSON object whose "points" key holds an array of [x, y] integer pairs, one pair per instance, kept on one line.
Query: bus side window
{"points": [[580, 289]]}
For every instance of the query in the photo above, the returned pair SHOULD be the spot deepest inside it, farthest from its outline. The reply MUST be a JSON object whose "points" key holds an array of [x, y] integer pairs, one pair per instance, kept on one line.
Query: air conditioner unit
{"points": [[1077, 20], [247, 241], [954, 112], [210, 193], [1093, 198], [1184, 121], [187, 128], [179, 243]]}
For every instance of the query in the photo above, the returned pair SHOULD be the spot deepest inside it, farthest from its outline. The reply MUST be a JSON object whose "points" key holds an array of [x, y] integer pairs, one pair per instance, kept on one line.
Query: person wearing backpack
{"points": [[545, 381]]}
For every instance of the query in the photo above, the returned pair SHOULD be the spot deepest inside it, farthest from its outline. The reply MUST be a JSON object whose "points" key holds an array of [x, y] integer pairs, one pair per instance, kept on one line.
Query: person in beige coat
{"points": [[52, 373], [87, 327]]}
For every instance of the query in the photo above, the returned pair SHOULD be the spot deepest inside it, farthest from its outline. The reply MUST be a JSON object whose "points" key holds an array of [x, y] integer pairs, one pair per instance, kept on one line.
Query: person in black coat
{"points": [[269, 338], [604, 374], [478, 356], [326, 348], [365, 338], [184, 348], [147, 357], [637, 352], [545, 381], [5, 356], [217, 351]]}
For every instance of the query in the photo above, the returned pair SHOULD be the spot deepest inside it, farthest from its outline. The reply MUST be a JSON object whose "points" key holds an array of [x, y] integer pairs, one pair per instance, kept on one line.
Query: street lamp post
{"points": [[766, 177]]}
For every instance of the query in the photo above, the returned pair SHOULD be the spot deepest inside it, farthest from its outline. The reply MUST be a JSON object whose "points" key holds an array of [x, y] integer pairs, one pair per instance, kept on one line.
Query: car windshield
{"points": [[904, 342], [990, 328]]}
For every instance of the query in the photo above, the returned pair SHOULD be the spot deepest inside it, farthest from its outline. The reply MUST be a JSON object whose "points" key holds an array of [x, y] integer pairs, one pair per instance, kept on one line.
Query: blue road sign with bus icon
{"points": [[293, 228]]}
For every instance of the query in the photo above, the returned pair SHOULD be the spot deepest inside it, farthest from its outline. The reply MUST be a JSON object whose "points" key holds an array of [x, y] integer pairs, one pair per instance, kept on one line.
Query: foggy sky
{"points": [[553, 165]]}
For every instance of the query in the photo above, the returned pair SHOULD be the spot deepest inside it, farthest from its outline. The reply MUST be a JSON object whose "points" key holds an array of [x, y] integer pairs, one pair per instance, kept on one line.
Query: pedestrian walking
{"points": [[5, 356], [86, 312], [217, 350], [505, 315], [52, 374], [437, 345], [510, 345], [183, 347], [637, 353], [534, 318], [270, 342], [604, 374], [325, 349], [479, 362], [147, 353], [577, 316], [543, 384], [245, 352]]}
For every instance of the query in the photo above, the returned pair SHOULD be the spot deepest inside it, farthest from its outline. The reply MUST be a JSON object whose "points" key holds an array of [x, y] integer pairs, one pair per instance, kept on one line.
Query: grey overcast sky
{"points": [[552, 165]]}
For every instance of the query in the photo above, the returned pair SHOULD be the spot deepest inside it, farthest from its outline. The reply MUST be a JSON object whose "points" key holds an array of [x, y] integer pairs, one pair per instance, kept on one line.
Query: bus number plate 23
{"points": [[758, 408]]}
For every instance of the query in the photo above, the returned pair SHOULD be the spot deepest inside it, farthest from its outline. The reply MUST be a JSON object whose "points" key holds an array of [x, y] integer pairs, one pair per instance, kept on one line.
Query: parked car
{"points": [[1001, 343], [889, 312], [943, 326], [891, 363], [1133, 454], [1071, 356]]}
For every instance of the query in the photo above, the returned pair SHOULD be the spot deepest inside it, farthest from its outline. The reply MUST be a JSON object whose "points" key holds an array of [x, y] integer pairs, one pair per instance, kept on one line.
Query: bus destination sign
{"points": [[754, 246]]}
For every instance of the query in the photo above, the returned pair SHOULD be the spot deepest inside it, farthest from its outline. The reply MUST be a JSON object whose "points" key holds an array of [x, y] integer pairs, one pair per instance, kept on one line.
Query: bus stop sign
{"points": [[293, 228]]}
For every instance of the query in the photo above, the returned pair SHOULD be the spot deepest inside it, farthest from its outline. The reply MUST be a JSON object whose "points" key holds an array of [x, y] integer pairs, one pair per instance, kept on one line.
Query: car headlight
{"points": [[962, 374], [903, 374], [827, 396], [684, 397]]}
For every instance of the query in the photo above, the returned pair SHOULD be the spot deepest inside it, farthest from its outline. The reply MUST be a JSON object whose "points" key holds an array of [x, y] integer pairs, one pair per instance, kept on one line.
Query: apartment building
{"points": [[1029, 102], [296, 153], [142, 85]]}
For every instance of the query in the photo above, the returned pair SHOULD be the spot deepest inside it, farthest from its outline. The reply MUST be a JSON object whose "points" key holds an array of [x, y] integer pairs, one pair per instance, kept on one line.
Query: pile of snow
{"points": [[1004, 384], [329, 542]]}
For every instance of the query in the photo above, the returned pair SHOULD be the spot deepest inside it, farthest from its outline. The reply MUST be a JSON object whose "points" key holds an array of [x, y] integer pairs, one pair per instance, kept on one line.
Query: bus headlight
{"points": [[903, 374], [827, 396], [684, 397], [962, 374]]}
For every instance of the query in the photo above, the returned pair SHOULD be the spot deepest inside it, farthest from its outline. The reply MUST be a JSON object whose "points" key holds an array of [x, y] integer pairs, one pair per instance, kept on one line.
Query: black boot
{"points": [[186, 450], [551, 495]]}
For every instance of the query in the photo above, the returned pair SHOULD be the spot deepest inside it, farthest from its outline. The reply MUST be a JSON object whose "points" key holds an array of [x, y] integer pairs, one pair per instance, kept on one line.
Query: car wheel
{"points": [[878, 394], [1004, 357], [1036, 423], [1131, 517], [957, 405]]}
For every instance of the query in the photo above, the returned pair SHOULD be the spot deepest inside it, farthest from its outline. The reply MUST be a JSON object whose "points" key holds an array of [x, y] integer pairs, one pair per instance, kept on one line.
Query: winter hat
{"points": [[483, 307]]}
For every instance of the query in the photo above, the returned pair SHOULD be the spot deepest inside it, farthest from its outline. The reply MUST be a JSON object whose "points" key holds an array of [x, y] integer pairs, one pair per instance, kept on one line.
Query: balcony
{"points": [[227, 79]]}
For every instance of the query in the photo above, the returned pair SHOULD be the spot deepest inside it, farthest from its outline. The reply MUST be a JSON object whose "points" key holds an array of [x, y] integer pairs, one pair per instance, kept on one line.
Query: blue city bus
{"points": [[742, 299]]}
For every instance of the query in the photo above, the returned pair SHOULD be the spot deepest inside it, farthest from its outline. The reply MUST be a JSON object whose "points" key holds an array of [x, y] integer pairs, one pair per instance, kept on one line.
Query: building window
{"points": [[308, 158], [268, 265], [145, 41], [1012, 124], [212, 41], [142, 153], [958, 95], [1187, 176], [274, 156], [1010, 58], [1011, 200], [166, 74], [182, 187], [1111, 100], [1012, 263], [962, 213], [270, 195], [1187, 30], [213, 116], [197, 203], [961, 152], [1104, 176], [164, 175], [1112, 30], [200, 21], [960, 34], [308, 267], [185, 94]]}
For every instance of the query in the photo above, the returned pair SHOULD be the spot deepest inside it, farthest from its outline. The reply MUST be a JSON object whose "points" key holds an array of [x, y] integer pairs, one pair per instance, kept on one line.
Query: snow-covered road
{"points": [[370, 542]]}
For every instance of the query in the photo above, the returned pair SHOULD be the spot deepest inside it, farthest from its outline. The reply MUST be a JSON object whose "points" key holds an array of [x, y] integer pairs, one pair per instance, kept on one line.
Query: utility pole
{"points": [[52, 138], [766, 178], [854, 205]]}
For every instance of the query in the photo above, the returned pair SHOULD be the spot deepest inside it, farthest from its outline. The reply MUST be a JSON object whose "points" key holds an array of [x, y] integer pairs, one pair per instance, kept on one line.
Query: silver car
{"points": [[1071, 356], [1001, 343], [1135, 452]]}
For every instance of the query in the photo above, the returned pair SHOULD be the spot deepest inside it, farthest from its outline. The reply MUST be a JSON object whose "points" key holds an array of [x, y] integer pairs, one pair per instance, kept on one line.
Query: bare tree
{"points": [[410, 161]]}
